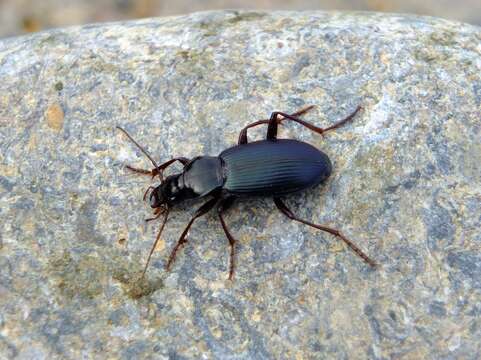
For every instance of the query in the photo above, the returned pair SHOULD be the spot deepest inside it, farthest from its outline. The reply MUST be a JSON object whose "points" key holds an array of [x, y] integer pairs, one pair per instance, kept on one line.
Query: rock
{"points": [[405, 188]]}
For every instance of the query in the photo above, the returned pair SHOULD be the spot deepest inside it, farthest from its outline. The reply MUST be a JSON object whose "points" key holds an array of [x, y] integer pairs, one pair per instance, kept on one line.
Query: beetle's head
{"points": [[167, 193], [156, 199]]}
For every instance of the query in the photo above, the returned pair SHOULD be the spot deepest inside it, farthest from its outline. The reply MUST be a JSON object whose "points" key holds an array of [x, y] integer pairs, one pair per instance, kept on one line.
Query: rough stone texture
{"points": [[406, 188]]}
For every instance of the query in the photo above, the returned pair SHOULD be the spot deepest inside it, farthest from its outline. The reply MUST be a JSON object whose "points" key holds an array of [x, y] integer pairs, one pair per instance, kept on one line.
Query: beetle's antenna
{"points": [[147, 191], [140, 147], [156, 241]]}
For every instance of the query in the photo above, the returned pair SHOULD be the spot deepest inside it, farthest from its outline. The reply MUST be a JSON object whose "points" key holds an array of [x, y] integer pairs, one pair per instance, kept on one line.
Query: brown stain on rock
{"points": [[54, 116], [134, 285]]}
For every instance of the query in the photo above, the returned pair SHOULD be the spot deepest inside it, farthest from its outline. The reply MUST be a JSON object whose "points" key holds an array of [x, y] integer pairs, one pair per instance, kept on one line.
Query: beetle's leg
{"points": [[182, 240], [343, 121], [224, 205], [184, 161], [285, 210], [157, 212], [243, 133], [158, 170], [139, 171], [273, 121]]}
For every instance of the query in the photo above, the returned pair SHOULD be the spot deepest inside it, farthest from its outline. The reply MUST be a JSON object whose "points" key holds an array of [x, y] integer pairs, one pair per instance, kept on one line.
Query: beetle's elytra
{"points": [[272, 168]]}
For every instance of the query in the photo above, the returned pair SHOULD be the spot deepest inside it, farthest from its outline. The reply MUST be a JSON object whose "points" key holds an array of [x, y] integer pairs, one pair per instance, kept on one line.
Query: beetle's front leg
{"points": [[152, 173], [158, 170], [139, 171]]}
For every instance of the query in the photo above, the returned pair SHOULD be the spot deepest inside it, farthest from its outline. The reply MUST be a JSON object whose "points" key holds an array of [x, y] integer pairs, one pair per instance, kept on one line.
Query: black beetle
{"points": [[272, 167]]}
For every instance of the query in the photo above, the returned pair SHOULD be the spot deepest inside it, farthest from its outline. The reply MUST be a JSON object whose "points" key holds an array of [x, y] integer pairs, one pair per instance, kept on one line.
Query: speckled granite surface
{"points": [[406, 188]]}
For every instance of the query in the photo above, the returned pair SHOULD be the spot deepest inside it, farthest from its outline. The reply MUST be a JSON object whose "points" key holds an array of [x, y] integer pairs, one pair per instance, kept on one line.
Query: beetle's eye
{"points": [[153, 200]]}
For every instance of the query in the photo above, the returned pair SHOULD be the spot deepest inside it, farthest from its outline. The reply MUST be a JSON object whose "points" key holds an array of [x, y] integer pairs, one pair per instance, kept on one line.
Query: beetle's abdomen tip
{"points": [[327, 166]]}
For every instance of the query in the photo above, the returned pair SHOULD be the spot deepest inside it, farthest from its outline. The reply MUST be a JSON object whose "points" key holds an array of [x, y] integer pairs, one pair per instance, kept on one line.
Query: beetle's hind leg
{"points": [[285, 210]]}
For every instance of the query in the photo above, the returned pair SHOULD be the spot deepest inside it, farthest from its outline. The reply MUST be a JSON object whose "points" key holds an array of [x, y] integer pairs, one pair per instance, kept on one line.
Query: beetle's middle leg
{"points": [[243, 133], [224, 205], [273, 122], [204, 209], [285, 210]]}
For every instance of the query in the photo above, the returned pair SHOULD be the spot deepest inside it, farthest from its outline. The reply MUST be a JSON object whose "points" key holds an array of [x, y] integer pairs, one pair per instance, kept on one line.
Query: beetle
{"points": [[271, 168]]}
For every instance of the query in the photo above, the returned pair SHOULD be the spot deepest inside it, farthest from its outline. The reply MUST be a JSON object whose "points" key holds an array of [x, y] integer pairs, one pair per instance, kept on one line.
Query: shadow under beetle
{"points": [[272, 168]]}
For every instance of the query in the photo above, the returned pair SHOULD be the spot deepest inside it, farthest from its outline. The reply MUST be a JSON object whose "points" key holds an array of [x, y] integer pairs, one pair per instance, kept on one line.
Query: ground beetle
{"points": [[272, 167]]}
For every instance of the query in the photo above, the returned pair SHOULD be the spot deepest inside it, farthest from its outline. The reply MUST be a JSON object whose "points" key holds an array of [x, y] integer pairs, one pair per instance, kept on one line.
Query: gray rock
{"points": [[405, 188]]}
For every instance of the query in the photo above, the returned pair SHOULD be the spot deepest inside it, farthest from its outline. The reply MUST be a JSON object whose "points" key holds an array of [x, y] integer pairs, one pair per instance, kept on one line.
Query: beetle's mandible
{"points": [[272, 168]]}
